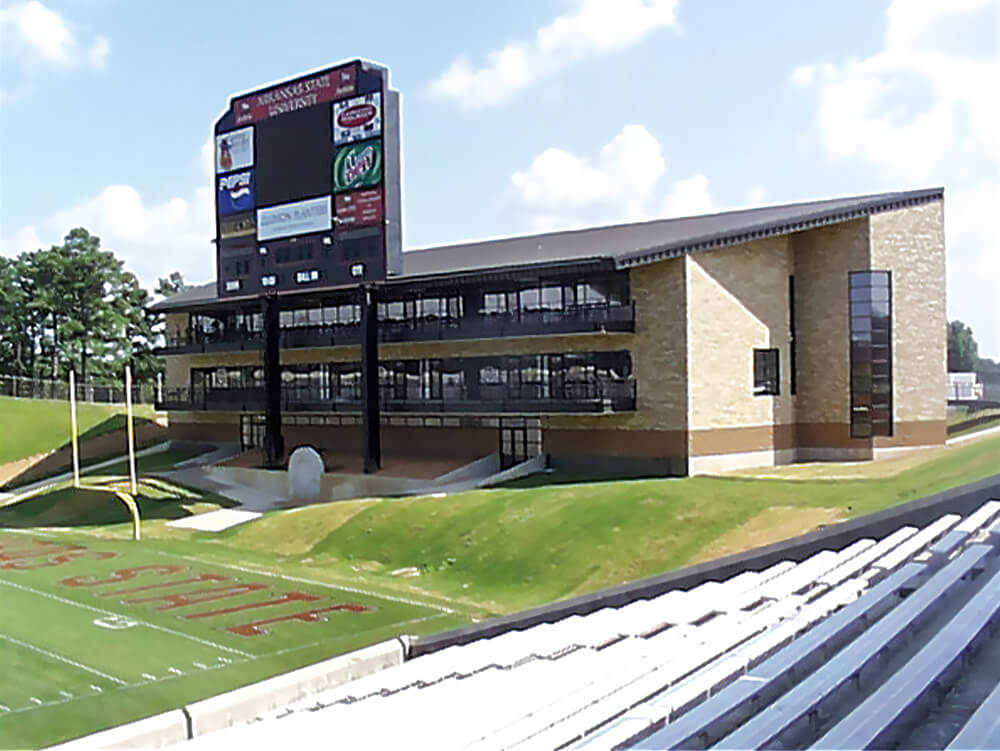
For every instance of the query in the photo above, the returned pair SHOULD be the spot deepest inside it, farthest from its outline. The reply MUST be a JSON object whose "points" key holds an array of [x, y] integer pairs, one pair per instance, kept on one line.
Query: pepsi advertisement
{"points": [[236, 193]]}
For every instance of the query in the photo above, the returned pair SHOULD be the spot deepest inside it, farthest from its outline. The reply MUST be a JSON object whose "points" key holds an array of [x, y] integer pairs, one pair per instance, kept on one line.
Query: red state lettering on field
{"points": [[161, 585], [36, 549], [309, 616], [289, 597], [197, 596], [58, 560], [122, 574]]}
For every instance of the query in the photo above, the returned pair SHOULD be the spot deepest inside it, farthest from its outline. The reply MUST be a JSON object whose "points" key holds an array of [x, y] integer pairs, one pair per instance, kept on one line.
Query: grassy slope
{"points": [[506, 550], [36, 426]]}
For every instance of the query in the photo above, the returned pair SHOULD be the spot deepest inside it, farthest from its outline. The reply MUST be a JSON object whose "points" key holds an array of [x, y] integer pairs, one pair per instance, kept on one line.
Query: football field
{"points": [[96, 633]]}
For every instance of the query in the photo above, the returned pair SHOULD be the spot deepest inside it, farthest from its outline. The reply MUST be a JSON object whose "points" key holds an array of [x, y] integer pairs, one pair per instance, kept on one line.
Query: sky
{"points": [[517, 117]]}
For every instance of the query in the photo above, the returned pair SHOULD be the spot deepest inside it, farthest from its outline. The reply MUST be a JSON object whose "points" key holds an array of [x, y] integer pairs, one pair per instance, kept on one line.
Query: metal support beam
{"points": [[274, 442], [369, 381]]}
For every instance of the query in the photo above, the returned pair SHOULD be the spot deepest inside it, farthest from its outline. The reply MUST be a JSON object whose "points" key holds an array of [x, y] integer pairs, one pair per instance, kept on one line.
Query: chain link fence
{"points": [[38, 388]]}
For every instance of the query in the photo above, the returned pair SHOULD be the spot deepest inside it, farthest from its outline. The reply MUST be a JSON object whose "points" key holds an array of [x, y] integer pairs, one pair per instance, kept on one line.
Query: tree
{"points": [[171, 285], [963, 352], [75, 306]]}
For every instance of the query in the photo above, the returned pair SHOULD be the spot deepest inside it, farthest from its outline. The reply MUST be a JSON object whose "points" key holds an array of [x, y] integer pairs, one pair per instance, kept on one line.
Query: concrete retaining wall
{"points": [[153, 732], [245, 704]]}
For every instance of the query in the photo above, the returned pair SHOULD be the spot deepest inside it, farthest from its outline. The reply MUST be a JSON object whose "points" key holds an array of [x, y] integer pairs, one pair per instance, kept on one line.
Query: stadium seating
{"points": [[756, 660]]}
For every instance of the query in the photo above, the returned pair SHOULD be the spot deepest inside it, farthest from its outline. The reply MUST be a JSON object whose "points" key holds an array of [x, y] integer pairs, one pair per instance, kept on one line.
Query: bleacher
{"points": [[846, 648]]}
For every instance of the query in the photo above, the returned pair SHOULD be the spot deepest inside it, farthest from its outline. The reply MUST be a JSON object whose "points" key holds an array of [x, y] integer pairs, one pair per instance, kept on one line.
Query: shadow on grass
{"points": [[96, 505], [106, 440]]}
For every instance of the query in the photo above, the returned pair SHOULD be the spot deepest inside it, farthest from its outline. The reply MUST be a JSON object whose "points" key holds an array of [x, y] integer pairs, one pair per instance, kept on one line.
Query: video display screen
{"points": [[294, 156]]}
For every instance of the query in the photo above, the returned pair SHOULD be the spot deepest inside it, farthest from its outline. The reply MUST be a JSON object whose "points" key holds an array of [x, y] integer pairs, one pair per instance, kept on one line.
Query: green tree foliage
{"points": [[963, 352], [74, 306], [171, 285]]}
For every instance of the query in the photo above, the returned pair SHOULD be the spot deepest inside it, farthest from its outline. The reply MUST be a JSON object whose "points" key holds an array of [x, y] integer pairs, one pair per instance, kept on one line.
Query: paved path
{"points": [[35, 487]]}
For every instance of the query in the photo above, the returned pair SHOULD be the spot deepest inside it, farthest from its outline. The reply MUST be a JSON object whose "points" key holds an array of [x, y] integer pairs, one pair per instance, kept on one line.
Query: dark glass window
{"points": [[766, 375], [871, 353]]}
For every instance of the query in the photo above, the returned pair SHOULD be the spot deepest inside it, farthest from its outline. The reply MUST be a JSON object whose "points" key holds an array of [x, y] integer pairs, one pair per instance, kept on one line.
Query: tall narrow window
{"points": [[871, 353], [766, 376]]}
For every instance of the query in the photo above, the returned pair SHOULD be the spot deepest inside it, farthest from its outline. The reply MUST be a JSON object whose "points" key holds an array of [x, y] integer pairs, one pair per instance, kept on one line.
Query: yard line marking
{"points": [[98, 689], [287, 577], [68, 661], [37, 700], [153, 626]]}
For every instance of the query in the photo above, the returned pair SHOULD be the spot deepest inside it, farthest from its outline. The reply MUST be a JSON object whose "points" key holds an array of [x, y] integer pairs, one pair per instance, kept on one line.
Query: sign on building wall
{"points": [[357, 166], [236, 192], [299, 218], [313, 162], [234, 150], [357, 118]]}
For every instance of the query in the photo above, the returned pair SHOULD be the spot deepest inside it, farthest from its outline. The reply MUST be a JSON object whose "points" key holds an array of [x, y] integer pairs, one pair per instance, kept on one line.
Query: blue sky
{"points": [[517, 117]]}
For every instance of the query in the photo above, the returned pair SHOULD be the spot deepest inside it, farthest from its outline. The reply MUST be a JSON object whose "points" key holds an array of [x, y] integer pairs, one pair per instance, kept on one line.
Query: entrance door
{"points": [[252, 429], [513, 445], [520, 440]]}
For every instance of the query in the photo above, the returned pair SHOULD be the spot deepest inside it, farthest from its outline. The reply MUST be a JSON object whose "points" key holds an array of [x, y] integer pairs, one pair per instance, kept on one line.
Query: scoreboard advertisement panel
{"points": [[308, 183]]}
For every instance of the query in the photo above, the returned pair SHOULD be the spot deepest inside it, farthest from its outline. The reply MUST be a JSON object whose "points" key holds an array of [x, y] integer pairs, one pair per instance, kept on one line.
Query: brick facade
{"points": [[699, 318]]}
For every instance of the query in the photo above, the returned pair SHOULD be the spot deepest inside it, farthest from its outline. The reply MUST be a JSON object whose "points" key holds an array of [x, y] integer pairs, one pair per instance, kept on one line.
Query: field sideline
{"points": [[103, 632]]}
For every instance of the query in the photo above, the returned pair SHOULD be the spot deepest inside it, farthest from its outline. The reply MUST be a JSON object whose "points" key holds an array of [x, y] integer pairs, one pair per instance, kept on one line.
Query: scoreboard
{"points": [[307, 175]]}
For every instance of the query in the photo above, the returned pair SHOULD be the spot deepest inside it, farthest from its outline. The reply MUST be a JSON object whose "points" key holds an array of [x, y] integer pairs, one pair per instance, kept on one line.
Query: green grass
{"points": [[36, 426], [65, 670], [479, 554]]}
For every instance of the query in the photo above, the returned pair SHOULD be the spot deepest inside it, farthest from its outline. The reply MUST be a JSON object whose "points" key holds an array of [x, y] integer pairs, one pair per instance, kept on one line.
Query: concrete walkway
{"points": [[972, 436], [36, 487]]}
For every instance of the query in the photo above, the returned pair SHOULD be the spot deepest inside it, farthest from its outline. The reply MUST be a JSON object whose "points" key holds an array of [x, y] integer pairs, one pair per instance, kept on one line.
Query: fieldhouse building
{"points": [[786, 333]]}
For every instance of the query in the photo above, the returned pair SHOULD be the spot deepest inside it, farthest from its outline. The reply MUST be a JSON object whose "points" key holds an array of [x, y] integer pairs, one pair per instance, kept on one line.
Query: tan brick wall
{"points": [[176, 324], [177, 371], [910, 243], [823, 258], [737, 302], [659, 357]]}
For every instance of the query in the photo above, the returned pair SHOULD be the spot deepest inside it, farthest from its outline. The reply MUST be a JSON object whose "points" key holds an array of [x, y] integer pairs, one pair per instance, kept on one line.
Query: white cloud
{"points": [[593, 28], [917, 111], [560, 190], [860, 114], [756, 196], [33, 33], [154, 240], [688, 197]]}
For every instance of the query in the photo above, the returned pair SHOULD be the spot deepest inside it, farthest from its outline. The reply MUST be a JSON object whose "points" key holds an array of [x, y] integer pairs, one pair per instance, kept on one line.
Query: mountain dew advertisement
{"points": [[357, 166]]}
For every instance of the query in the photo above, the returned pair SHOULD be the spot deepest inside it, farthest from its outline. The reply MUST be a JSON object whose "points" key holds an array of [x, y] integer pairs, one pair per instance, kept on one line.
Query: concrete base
{"points": [[153, 732], [250, 702], [707, 465]]}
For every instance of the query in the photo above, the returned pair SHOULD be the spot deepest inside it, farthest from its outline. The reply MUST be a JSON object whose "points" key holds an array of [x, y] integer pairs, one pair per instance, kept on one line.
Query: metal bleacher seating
{"points": [[748, 662], [873, 722], [983, 728]]}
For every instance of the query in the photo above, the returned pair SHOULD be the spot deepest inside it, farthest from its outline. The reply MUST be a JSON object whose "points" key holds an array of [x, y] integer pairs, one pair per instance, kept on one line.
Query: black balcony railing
{"points": [[608, 318], [584, 398]]}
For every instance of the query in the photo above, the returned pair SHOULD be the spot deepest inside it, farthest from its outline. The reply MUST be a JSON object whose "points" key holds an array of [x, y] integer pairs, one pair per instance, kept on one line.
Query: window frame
{"points": [[766, 382]]}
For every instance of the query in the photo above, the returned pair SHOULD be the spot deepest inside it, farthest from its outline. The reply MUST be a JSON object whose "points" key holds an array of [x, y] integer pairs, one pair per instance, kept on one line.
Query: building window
{"points": [[766, 377], [871, 353]]}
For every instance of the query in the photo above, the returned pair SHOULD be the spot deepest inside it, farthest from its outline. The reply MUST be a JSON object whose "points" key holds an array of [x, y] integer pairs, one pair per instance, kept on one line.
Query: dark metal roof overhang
{"points": [[435, 281], [801, 223]]}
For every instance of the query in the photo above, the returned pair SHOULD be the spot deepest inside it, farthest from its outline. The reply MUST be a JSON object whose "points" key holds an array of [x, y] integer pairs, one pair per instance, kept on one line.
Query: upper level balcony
{"points": [[588, 398], [574, 320]]}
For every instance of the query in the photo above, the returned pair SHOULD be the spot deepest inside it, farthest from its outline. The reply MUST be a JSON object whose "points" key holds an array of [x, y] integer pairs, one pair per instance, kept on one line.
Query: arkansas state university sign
{"points": [[297, 95]]}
